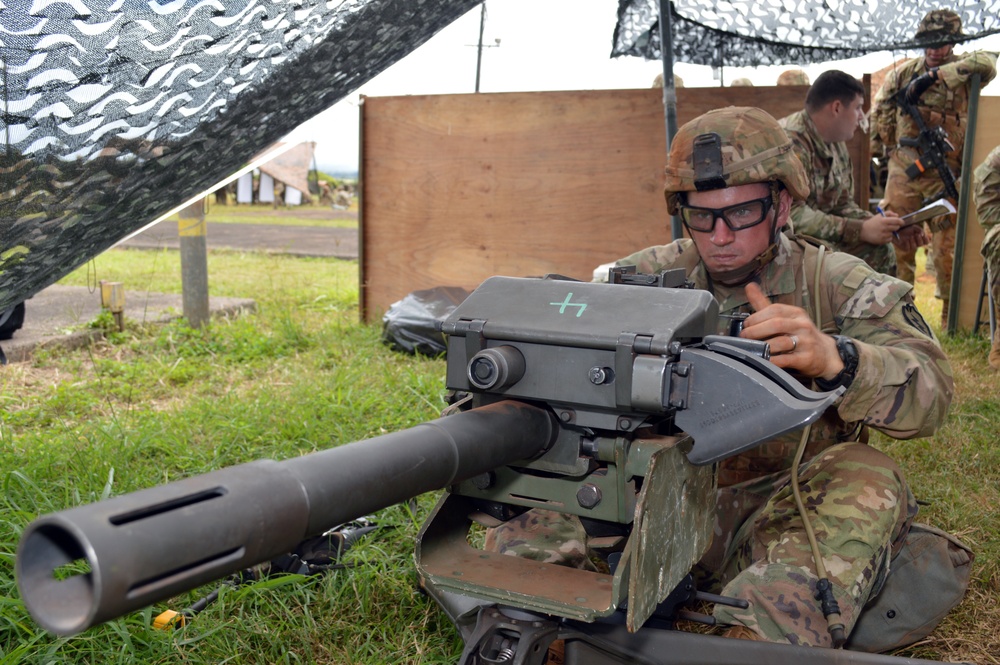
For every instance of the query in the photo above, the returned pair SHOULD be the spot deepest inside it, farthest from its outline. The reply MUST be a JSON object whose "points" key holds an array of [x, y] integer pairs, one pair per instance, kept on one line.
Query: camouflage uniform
{"points": [[944, 104], [543, 535], [860, 504], [987, 193], [830, 212]]}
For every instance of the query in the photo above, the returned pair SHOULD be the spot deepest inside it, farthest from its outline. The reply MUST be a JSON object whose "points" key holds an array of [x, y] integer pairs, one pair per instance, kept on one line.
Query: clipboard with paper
{"points": [[929, 211]]}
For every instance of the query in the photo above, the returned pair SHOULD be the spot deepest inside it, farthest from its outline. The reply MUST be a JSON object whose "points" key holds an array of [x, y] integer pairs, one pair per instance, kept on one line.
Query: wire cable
{"points": [[831, 610]]}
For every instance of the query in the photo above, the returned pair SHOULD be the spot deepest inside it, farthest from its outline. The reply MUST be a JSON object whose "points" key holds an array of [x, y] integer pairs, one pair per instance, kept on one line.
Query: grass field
{"points": [[158, 403]]}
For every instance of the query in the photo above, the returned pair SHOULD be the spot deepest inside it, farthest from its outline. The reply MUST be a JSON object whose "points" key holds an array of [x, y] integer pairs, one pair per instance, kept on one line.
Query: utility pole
{"points": [[479, 51], [481, 46]]}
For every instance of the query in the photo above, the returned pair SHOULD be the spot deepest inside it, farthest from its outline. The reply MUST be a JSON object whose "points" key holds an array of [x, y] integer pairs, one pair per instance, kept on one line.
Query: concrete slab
{"points": [[58, 316]]}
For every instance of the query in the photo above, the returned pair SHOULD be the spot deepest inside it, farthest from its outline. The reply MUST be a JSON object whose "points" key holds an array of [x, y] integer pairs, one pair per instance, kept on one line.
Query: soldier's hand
{"points": [[796, 342], [911, 237], [919, 85], [878, 230]]}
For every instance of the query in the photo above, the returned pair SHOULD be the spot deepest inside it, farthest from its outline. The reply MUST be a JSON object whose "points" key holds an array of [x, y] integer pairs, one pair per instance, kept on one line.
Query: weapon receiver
{"points": [[933, 144], [610, 402]]}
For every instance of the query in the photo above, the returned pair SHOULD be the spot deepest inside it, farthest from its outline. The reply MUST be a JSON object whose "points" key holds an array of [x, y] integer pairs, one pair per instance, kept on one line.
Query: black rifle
{"points": [[933, 144]]}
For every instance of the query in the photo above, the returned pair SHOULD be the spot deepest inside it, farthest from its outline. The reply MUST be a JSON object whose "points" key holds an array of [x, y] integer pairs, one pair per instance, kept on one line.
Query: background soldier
{"points": [[342, 198], [938, 82], [658, 81], [833, 110], [793, 77], [896, 375], [988, 207]]}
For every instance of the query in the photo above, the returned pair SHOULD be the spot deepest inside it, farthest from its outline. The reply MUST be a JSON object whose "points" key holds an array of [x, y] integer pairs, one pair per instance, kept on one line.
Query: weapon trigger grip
{"points": [[737, 401]]}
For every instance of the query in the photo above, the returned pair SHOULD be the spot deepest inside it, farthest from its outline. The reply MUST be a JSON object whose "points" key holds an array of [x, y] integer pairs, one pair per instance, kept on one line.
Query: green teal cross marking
{"points": [[566, 303]]}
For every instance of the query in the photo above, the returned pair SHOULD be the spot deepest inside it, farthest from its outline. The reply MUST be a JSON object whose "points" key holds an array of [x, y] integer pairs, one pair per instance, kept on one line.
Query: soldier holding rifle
{"points": [[937, 84]]}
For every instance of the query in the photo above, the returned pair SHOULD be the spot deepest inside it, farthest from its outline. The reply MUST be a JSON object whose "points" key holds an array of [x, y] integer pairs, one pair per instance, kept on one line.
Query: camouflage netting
{"points": [[754, 33], [114, 112]]}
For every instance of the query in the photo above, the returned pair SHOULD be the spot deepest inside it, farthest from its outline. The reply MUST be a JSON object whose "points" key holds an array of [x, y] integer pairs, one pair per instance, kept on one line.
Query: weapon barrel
{"points": [[90, 564]]}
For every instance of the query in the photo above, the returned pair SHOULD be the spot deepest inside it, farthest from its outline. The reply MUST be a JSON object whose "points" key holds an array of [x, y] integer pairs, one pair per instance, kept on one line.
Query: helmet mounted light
{"points": [[707, 162]]}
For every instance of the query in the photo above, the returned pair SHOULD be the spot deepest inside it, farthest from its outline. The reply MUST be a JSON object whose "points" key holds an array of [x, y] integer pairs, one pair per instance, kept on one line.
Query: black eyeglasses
{"points": [[737, 217]]}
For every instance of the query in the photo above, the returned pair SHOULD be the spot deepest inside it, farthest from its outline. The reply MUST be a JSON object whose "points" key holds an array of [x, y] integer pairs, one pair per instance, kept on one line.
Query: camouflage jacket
{"points": [[904, 384], [987, 192], [945, 104], [830, 213]]}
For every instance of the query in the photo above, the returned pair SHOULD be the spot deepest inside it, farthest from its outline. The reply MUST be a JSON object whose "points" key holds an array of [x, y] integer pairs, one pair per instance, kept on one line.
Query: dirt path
{"points": [[316, 241], [301, 212]]}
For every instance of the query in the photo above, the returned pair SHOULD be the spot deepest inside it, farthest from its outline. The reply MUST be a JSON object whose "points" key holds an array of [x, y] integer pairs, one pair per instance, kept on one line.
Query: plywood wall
{"points": [[457, 188], [971, 270]]}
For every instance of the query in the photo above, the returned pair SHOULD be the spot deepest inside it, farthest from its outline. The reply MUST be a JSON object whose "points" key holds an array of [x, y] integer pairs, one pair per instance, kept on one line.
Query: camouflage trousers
{"points": [[860, 508], [903, 196], [991, 252], [943, 256], [995, 294]]}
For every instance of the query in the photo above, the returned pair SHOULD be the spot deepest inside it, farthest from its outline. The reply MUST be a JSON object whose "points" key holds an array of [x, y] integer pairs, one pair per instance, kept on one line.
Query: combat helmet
{"points": [[793, 77], [658, 81], [730, 147], [753, 148], [940, 26]]}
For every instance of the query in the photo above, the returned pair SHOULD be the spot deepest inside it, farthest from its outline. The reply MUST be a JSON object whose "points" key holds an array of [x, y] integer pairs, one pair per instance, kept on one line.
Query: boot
{"points": [[995, 351], [740, 632]]}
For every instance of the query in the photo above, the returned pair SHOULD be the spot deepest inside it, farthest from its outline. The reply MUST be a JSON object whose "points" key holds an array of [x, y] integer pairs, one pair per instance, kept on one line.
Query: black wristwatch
{"points": [[849, 354]]}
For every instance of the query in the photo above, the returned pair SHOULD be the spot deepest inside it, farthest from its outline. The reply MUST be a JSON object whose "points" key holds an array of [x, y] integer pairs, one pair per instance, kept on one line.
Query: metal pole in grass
{"points": [[191, 228], [965, 186]]}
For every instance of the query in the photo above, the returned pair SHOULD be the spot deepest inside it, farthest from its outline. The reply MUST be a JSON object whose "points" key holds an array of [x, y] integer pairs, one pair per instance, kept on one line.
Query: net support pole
{"points": [[669, 94], [191, 228]]}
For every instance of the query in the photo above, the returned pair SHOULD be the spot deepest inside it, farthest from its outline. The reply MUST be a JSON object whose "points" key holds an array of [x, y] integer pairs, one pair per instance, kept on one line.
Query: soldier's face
{"points": [[723, 249], [849, 118], [935, 57]]}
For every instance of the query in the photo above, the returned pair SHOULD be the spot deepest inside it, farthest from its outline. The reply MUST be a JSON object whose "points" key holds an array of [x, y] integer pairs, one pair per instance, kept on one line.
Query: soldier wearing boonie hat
{"points": [[939, 27], [938, 82]]}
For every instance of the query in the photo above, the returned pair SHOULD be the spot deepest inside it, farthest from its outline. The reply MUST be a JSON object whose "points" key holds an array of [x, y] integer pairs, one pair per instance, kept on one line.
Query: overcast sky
{"points": [[543, 45]]}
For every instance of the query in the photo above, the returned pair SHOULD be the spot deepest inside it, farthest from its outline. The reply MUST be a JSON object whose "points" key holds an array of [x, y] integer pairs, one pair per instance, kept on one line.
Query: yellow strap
{"points": [[191, 227]]}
